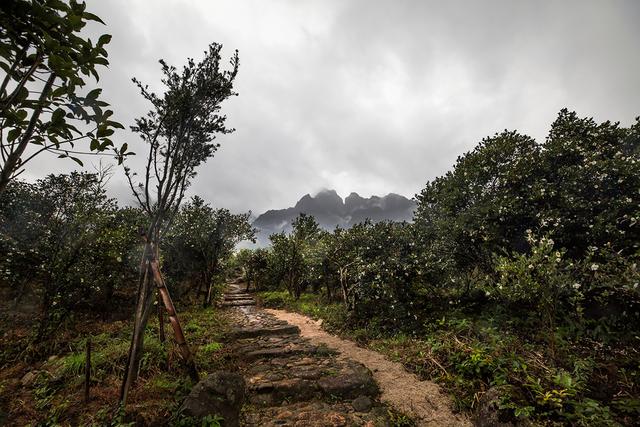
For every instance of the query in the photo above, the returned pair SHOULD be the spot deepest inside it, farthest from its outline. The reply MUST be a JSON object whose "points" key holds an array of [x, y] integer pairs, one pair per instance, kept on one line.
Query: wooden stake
{"points": [[87, 372], [161, 319], [175, 322]]}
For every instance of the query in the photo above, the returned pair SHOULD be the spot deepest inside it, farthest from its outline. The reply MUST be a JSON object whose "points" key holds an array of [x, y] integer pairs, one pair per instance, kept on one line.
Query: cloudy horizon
{"points": [[368, 97]]}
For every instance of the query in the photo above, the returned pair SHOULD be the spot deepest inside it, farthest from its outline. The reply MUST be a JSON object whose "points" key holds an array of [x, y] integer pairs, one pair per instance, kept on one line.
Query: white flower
{"points": [[576, 285], [594, 267]]}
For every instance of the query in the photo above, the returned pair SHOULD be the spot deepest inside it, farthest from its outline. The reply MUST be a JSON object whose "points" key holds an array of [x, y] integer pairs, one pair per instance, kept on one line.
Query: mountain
{"points": [[330, 210]]}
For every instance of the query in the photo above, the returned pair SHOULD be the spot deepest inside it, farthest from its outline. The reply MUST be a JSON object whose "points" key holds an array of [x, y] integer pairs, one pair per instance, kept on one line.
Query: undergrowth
{"points": [[584, 383], [55, 396]]}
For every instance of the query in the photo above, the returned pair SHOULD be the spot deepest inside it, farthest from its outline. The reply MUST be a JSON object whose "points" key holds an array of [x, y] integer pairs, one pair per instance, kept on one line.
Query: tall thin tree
{"points": [[180, 131]]}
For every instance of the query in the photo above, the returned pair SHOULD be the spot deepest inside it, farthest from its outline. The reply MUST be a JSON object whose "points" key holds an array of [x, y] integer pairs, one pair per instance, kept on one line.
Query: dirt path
{"points": [[292, 381], [422, 400]]}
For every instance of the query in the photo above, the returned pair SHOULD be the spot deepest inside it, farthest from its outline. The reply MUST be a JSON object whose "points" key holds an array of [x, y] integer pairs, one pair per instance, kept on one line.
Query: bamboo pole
{"points": [[173, 319], [161, 320]]}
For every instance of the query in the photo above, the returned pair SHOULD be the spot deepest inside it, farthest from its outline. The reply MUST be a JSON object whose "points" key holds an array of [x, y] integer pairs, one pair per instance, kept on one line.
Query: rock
{"points": [[351, 383], [221, 393], [272, 353], [362, 404], [488, 412], [240, 333], [29, 378], [288, 389]]}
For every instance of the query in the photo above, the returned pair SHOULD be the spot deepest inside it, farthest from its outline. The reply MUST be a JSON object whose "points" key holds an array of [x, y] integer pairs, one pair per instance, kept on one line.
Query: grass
{"points": [[56, 395], [312, 305]]}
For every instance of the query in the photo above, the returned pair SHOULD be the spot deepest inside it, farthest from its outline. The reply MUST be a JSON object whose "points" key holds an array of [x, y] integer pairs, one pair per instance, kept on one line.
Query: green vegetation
{"points": [[74, 252], [519, 276], [44, 56], [58, 386], [72, 262]]}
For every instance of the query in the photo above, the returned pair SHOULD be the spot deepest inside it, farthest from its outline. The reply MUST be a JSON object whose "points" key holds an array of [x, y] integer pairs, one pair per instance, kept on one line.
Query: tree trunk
{"points": [[343, 286], [137, 340], [12, 161]]}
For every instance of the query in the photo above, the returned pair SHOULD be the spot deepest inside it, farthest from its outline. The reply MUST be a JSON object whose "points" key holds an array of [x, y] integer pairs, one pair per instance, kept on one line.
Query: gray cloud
{"points": [[369, 96]]}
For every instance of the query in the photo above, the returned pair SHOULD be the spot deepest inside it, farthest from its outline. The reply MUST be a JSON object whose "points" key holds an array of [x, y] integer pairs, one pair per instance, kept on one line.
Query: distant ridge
{"points": [[330, 210]]}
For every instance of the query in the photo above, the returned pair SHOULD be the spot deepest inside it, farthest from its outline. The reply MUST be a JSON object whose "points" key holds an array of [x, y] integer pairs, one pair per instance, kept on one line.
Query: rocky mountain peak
{"points": [[330, 210]]}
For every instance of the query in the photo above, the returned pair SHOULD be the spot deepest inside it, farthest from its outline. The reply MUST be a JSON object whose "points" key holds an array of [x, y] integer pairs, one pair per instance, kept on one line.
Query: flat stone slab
{"points": [[238, 296], [238, 303], [261, 332], [325, 378], [351, 383], [270, 353], [314, 414]]}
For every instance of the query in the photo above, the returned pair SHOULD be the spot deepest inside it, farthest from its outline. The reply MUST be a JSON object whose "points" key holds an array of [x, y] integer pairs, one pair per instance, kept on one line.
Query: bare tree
{"points": [[179, 130]]}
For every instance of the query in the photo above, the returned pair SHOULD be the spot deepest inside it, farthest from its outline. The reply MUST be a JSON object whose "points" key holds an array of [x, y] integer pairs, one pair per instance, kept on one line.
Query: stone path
{"points": [[292, 382], [423, 401]]}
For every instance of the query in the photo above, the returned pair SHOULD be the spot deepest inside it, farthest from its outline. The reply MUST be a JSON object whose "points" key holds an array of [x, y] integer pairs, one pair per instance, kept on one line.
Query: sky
{"points": [[367, 96]]}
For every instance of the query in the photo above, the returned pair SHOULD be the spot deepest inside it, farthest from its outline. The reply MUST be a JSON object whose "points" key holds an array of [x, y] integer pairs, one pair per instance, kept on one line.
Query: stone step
{"points": [[237, 303], [261, 332], [272, 393], [236, 297], [318, 413], [271, 353], [349, 383]]}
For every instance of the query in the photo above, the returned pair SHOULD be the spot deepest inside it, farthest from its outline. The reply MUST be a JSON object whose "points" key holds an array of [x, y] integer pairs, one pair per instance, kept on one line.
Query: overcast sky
{"points": [[370, 96]]}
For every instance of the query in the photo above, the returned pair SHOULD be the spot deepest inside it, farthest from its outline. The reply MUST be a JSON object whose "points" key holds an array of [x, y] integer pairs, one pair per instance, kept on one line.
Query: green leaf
{"points": [[14, 134], [5, 67], [93, 95], [91, 17], [77, 160], [114, 125], [62, 90], [21, 115], [104, 131], [104, 39], [58, 116], [23, 93]]}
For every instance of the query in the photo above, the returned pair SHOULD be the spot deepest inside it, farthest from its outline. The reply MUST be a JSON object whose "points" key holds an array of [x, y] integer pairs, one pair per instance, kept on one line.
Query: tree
{"points": [[290, 252], [256, 267], [179, 131], [485, 203], [66, 239], [44, 56], [342, 253], [200, 240], [589, 194]]}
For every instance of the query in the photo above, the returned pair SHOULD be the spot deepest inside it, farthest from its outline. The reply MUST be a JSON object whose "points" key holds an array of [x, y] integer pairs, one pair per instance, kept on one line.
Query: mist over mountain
{"points": [[330, 210]]}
